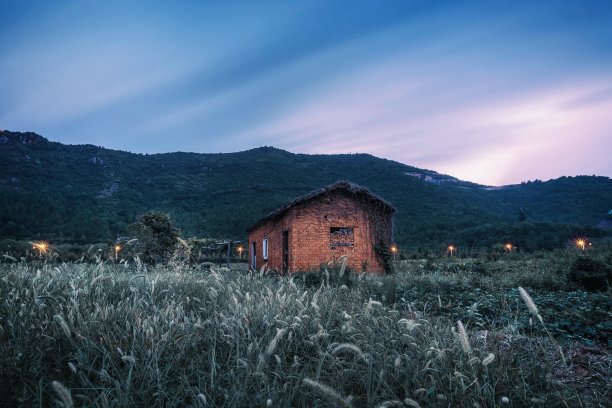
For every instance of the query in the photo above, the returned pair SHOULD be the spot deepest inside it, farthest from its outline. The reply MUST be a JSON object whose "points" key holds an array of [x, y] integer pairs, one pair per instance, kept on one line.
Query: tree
{"points": [[522, 215], [156, 236]]}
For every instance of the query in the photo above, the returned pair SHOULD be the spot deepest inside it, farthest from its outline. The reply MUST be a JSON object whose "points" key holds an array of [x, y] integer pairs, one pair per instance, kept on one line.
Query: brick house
{"points": [[340, 219]]}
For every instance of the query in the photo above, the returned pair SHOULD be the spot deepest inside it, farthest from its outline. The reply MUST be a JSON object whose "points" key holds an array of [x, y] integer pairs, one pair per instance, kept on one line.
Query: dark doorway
{"points": [[285, 252], [253, 256]]}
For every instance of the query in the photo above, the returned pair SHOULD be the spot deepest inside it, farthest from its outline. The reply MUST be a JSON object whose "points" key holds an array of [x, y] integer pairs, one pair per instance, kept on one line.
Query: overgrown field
{"points": [[485, 294], [108, 335]]}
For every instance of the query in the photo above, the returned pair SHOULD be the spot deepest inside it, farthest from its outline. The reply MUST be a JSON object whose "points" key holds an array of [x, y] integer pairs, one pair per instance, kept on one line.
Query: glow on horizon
{"points": [[491, 93]]}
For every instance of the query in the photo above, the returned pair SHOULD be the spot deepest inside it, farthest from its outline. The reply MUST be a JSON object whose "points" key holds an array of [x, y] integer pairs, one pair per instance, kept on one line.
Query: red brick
{"points": [[309, 232]]}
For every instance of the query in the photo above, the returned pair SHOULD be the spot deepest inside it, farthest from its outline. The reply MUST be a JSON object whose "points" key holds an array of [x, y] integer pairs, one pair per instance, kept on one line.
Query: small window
{"points": [[341, 237], [265, 248]]}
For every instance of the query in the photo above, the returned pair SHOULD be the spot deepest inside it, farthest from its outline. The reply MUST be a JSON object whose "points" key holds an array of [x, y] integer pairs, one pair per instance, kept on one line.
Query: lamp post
{"points": [[508, 247], [451, 248], [581, 243], [240, 249], [394, 250], [117, 249]]}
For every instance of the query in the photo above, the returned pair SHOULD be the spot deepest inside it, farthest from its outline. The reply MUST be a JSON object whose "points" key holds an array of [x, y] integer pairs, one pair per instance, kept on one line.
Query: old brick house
{"points": [[340, 219]]}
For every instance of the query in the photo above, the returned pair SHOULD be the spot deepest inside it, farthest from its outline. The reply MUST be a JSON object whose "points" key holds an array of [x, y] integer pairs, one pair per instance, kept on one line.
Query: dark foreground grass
{"points": [[485, 295], [98, 335]]}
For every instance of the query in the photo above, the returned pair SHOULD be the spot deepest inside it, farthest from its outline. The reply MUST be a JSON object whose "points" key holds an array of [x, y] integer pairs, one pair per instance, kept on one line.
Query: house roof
{"points": [[343, 185]]}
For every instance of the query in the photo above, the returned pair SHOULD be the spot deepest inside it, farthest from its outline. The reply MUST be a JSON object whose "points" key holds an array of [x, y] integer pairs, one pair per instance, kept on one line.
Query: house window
{"points": [[265, 248], [341, 237]]}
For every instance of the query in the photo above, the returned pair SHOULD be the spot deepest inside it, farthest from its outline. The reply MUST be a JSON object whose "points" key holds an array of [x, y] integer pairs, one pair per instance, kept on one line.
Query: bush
{"points": [[590, 273], [156, 236], [479, 268], [335, 273]]}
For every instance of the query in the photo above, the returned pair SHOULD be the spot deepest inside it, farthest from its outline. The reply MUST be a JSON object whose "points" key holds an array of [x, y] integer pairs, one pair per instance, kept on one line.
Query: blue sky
{"points": [[489, 91]]}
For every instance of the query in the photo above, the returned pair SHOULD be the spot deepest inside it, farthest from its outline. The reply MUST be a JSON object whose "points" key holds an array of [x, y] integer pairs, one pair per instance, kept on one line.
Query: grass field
{"points": [[118, 335]]}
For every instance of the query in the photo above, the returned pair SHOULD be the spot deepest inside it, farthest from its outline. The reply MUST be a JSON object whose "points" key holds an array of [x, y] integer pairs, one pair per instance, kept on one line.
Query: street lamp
{"points": [[581, 243], [394, 250], [508, 247], [240, 249], [41, 246], [117, 249], [451, 248]]}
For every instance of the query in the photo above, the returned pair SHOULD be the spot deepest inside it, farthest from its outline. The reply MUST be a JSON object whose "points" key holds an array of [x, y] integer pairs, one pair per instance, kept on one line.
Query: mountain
{"points": [[85, 193]]}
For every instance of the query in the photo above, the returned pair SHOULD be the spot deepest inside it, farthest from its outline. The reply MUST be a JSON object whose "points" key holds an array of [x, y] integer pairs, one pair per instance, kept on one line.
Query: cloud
{"points": [[496, 137], [488, 95]]}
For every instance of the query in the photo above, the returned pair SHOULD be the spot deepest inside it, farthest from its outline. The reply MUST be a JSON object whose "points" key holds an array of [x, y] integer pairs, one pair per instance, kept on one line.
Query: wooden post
{"points": [[229, 252], [229, 249]]}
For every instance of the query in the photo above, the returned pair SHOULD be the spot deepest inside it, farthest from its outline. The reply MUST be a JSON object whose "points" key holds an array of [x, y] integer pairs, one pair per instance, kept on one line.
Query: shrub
{"points": [[383, 254], [479, 268], [156, 236], [335, 273], [590, 273]]}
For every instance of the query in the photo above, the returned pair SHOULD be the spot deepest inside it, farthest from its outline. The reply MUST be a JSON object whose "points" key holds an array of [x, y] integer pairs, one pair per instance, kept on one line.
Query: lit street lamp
{"points": [[451, 248], [508, 247], [41, 246], [240, 249], [117, 249], [581, 243], [394, 250]]}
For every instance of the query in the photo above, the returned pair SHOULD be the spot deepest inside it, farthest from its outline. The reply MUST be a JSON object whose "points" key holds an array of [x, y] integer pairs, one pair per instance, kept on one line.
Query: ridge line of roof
{"points": [[338, 185]]}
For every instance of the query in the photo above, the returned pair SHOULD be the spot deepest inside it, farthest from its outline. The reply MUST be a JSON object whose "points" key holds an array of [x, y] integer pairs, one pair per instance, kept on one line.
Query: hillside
{"points": [[85, 193]]}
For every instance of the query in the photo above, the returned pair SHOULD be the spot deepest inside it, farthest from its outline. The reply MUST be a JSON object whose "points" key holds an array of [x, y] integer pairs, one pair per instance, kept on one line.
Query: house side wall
{"points": [[273, 231], [308, 225]]}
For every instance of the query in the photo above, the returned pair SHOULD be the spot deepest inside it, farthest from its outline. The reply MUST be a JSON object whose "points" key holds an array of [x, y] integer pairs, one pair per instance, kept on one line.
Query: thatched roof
{"points": [[343, 185]]}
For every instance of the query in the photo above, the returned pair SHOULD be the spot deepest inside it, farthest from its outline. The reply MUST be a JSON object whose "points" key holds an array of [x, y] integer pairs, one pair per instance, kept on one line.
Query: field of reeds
{"points": [[436, 333]]}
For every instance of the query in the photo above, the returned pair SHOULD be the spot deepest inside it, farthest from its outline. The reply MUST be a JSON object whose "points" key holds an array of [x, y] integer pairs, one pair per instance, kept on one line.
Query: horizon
{"points": [[495, 94]]}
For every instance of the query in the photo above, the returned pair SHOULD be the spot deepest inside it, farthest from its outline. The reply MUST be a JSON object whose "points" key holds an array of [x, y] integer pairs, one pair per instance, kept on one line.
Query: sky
{"points": [[494, 92]]}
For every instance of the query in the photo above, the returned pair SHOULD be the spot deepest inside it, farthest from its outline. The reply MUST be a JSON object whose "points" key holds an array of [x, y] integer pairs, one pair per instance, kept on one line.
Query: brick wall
{"points": [[308, 225], [273, 231]]}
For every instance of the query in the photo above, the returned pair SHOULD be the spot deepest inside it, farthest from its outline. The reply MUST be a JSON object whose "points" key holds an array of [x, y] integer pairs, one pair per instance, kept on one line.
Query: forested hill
{"points": [[85, 193]]}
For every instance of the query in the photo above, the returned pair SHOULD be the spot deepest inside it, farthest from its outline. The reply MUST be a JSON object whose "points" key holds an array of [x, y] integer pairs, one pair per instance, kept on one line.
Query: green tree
{"points": [[156, 236]]}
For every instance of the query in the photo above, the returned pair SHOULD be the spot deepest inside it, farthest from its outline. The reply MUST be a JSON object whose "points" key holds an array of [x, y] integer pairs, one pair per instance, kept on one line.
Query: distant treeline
{"points": [[16, 251]]}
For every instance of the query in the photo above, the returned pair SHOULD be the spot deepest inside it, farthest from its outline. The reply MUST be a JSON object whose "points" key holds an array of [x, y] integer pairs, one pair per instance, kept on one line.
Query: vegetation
{"points": [[193, 251], [528, 236], [591, 274], [437, 333], [155, 236], [484, 292], [85, 194]]}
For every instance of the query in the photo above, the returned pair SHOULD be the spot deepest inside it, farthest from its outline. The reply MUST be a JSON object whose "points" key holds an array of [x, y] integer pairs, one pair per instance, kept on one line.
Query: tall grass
{"points": [[103, 335]]}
